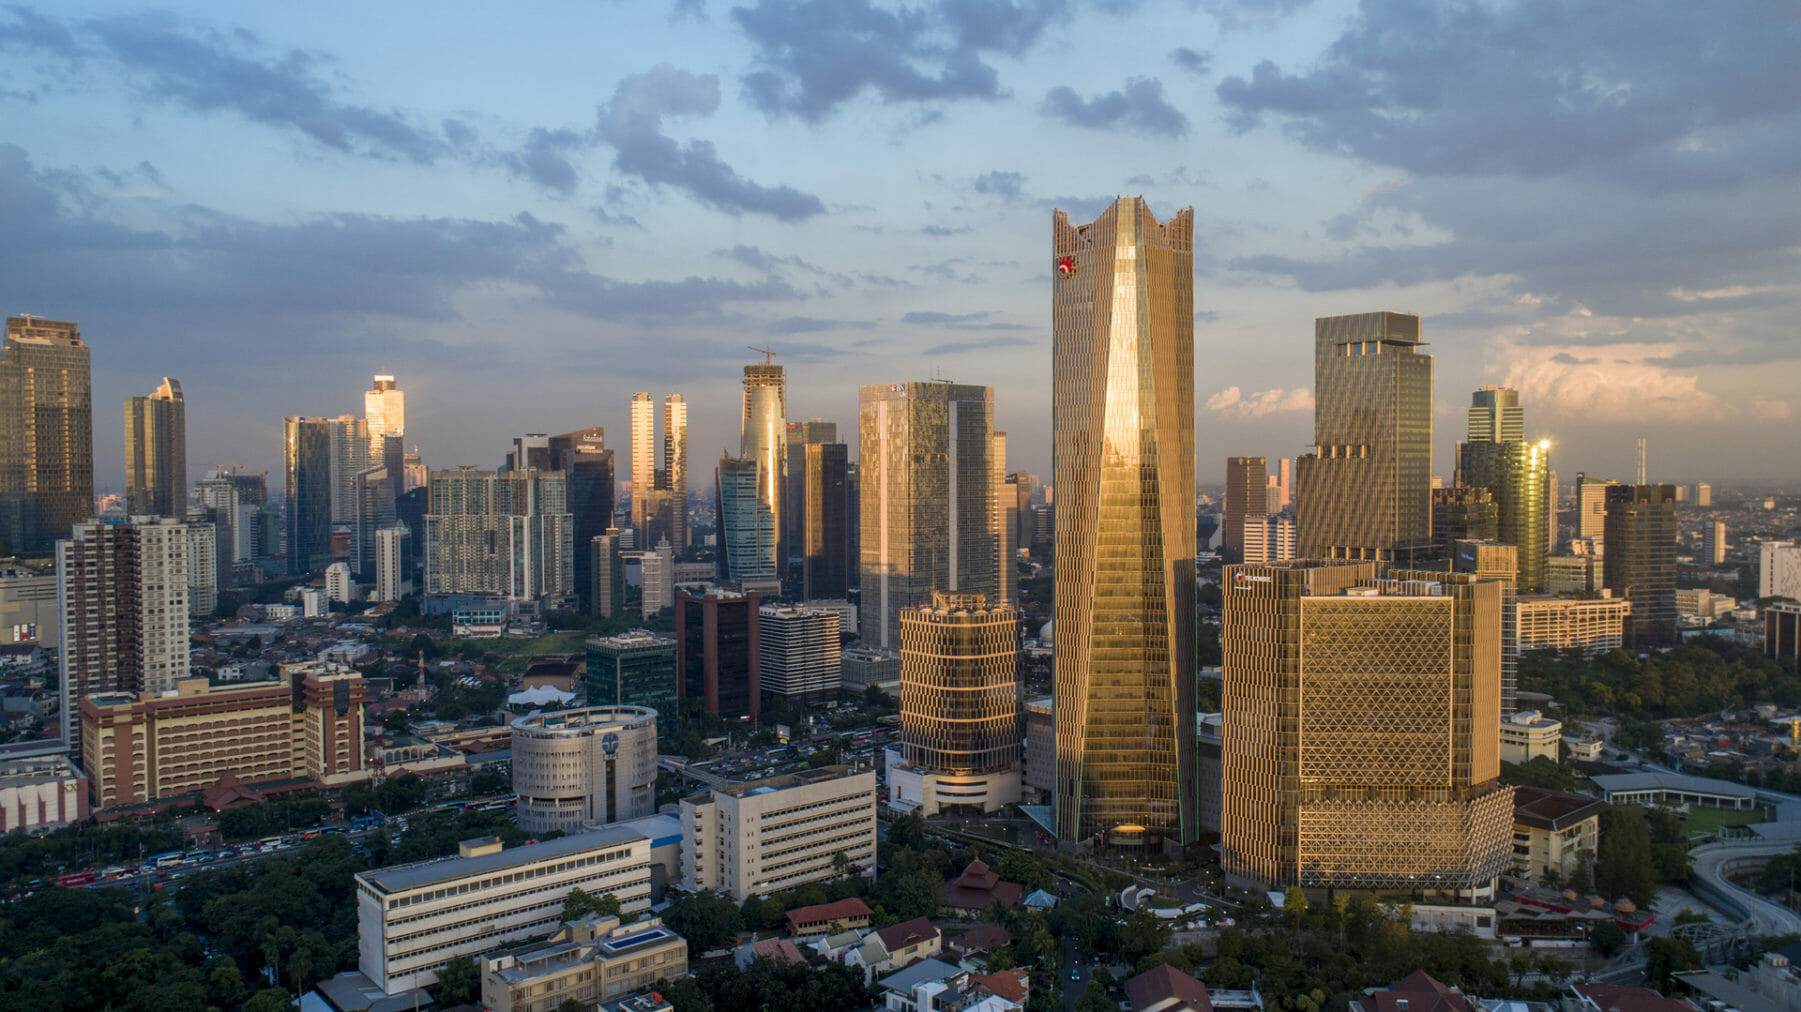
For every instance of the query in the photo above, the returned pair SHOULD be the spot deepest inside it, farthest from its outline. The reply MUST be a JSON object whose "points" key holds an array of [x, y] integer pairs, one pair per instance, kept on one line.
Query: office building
{"points": [[46, 435], [1462, 514], [959, 708], [673, 478], [1365, 492], [412, 919], [1703, 494], [656, 568], [393, 563], [583, 457], [1040, 772], [1713, 544], [1591, 509], [1360, 749], [595, 959], [763, 442], [1269, 538], [818, 511], [1779, 569], [1005, 572], [644, 461], [350, 457], [202, 567], [219, 497], [375, 511], [747, 527], [1247, 498], [636, 668], [156, 453], [1496, 417], [597, 764], [1499, 562], [763, 836], [1782, 629], [1122, 437], [926, 489], [1640, 564], [1572, 574], [1517, 475], [606, 575], [1590, 625], [718, 659], [123, 586], [29, 612], [1527, 735], [499, 535], [41, 793], [308, 457], [384, 414], [798, 653], [141, 748], [861, 668]]}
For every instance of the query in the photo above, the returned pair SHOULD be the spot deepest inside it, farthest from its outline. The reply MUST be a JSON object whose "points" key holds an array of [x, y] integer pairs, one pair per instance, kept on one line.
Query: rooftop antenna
{"points": [[1641, 460], [767, 353]]}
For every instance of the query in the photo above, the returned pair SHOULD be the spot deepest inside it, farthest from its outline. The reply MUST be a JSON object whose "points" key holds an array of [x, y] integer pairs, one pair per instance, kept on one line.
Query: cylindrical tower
{"points": [[597, 764], [959, 704]]}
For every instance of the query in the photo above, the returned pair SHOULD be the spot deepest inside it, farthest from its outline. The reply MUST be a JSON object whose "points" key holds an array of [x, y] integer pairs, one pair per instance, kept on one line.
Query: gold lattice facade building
{"points": [[1122, 422], [1360, 747], [959, 706], [46, 435]]}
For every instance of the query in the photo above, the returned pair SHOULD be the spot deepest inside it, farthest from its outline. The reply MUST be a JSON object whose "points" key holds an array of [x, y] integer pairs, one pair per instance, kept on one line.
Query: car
{"points": [[1075, 975]]}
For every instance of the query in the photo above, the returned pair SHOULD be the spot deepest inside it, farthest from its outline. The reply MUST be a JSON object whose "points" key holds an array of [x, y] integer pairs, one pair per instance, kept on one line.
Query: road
{"points": [[1760, 916]]}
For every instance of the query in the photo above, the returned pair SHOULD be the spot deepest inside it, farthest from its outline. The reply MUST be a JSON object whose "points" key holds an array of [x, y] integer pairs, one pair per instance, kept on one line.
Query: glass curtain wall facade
{"points": [[959, 688], [1122, 425], [156, 453], [1366, 490], [1518, 476], [674, 484], [763, 439], [746, 525], [46, 435], [307, 444], [1640, 564]]}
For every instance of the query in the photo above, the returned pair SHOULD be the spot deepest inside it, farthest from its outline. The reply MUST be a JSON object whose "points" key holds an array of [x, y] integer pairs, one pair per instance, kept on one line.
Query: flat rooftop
{"points": [[803, 778], [444, 869]]}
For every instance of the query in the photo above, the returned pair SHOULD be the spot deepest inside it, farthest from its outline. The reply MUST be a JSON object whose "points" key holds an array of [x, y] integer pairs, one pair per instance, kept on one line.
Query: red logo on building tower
{"points": [[1066, 266]]}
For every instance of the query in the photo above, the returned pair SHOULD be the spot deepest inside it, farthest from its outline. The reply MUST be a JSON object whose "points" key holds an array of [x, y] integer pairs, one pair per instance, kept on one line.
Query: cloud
{"points": [[1000, 184], [1139, 108], [545, 158], [812, 56], [1617, 388], [167, 60], [959, 347], [959, 321], [1769, 410], [813, 325], [1251, 14], [1194, 62], [1235, 404], [633, 124]]}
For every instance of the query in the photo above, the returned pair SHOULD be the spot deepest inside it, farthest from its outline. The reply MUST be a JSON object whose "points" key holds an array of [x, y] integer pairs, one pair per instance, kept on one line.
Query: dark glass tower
{"points": [[306, 452], [46, 435], [1640, 564], [156, 453]]}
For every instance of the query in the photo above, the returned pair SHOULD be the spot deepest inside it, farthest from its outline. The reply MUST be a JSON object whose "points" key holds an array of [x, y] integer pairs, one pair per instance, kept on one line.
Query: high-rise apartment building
{"points": [[644, 462], [1779, 569], [1640, 563], [1122, 442], [717, 654], [307, 453], [46, 435], [1713, 543], [220, 497], [656, 569], [1366, 490], [384, 414], [798, 653], [1269, 539], [203, 566], [959, 707], [660, 495], [926, 487], [393, 563], [1517, 475], [595, 764], [1247, 497], [123, 585], [156, 452], [763, 440], [501, 535], [349, 458], [1703, 494], [1360, 746]]}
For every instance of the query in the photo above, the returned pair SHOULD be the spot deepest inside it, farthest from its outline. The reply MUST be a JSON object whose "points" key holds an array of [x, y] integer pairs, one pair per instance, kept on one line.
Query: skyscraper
{"points": [[747, 541], [1246, 498], [675, 472], [583, 457], [717, 654], [926, 482], [1640, 563], [501, 535], [307, 456], [1365, 492], [1518, 476], [384, 414], [1496, 417], [763, 438], [1360, 748], [959, 706], [156, 452], [644, 464], [818, 511], [1462, 514], [1122, 441], [798, 653], [1713, 543], [46, 435], [1591, 508], [349, 458]]}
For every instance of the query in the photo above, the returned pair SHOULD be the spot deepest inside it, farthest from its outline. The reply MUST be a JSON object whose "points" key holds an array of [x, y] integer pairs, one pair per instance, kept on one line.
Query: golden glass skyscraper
{"points": [[1366, 490], [1359, 747], [1122, 438], [156, 453], [46, 435]]}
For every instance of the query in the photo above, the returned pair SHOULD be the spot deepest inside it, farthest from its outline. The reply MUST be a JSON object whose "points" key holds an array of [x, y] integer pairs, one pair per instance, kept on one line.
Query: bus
{"points": [[269, 843], [167, 860], [76, 879]]}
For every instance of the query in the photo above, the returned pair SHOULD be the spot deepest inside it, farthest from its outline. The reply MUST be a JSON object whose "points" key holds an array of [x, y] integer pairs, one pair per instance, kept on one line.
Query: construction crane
{"points": [[768, 354]]}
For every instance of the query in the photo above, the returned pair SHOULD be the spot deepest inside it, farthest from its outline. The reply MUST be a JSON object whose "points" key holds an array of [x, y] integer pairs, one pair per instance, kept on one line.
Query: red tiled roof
{"points": [[1161, 983], [899, 936], [1008, 984], [823, 913], [1419, 991], [1614, 998], [978, 889], [983, 937], [778, 950]]}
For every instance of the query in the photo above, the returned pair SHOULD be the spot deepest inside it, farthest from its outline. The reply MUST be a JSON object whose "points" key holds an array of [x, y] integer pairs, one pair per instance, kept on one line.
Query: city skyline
{"points": [[346, 208]]}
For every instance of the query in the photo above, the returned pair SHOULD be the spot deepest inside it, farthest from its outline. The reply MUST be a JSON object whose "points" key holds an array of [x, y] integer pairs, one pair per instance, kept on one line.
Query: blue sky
{"points": [[527, 216]]}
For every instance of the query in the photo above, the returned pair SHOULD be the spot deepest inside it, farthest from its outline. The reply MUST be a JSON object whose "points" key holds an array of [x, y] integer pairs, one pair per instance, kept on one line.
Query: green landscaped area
{"points": [[516, 652], [1706, 820]]}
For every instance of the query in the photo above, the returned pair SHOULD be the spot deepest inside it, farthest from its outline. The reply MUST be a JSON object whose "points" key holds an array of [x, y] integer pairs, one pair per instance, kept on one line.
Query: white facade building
{"points": [[658, 569], [1779, 569], [763, 836], [597, 764], [339, 586], [414, 918], [797, 651], [393, 576], [203, 568], [1269, 539]]}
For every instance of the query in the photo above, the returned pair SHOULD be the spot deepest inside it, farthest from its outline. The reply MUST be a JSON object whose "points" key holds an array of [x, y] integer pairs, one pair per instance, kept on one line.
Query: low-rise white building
{"points": [[1528, 735], [757, 837], [414, 918]]}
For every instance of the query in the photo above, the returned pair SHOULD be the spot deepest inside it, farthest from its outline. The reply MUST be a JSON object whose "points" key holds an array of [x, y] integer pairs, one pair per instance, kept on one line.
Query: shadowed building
{"points": [[1462, 514], [1360, 748], [1640, 564], [1247, 497], [717, 654], [1366, 490], [46, 435], [307, 456], [1122, 429]]}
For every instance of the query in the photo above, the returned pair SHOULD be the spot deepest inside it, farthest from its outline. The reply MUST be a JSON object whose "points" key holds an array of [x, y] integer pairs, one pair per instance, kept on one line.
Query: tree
{"points": [[1623, 863], [270, 999], [1607, 938], [580, 903], [1294, 903], [684, 994], [571, 1005], [1094, 998], [1664, 956], [707, 920], [224, 984], [460, 981]]}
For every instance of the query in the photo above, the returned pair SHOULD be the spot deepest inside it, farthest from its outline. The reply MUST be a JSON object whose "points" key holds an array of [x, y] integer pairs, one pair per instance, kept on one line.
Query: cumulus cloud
{"points": [[1140, 108], [633, 124], [1619, 387], [812, 56], [1234, 403]]}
